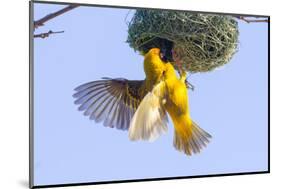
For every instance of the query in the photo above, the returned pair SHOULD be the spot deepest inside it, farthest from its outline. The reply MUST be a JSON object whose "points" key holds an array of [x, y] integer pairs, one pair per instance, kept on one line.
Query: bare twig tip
{"points": [[46, 34]]}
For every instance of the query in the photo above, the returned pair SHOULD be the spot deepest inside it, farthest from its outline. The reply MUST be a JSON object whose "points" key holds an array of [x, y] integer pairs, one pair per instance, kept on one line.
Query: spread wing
{"points": [[113, 101], [150, 119]]}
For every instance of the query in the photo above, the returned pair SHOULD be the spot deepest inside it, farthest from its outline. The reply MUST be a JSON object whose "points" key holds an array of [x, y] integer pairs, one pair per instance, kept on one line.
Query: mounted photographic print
{"points": [[123, 94]]}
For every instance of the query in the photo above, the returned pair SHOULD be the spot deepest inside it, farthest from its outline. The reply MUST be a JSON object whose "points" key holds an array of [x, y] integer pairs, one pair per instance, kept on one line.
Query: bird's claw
{"points": [[189, 85]]}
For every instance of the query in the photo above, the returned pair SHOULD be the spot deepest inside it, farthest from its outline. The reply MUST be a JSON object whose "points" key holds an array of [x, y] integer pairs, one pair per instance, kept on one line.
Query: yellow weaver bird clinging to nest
{"points": [[141, 106]]}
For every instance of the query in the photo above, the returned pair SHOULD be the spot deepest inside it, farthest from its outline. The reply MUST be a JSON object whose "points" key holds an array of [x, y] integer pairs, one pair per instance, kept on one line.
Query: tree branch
{"points": [[48, 17], [47, 34], [251, 20]]}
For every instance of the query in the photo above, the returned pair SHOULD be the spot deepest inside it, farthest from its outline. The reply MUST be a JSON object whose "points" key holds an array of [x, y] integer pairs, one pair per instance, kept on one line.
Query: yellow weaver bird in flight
{"points": [[141, 106]]}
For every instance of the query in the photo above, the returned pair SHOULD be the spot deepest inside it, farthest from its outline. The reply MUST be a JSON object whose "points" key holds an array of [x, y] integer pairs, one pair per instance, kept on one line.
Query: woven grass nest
{"points": [[202, 42]]}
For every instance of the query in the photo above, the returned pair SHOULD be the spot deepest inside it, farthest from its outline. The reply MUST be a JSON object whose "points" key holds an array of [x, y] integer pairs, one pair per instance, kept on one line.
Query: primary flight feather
{"points": [[142, 105]]}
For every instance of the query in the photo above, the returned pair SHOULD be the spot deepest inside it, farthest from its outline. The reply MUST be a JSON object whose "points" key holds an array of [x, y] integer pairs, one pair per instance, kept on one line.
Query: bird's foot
{"points": [[189, 85]]}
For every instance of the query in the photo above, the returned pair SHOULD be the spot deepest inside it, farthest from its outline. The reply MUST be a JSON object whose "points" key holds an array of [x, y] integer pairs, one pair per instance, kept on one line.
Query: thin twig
{"points": [[47, 34], [251, 20], [48, 17], [125, 19]]}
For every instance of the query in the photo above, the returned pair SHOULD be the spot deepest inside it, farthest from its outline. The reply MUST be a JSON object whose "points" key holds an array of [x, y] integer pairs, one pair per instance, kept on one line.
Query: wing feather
{"points": [[150, 119], [111, 101]]}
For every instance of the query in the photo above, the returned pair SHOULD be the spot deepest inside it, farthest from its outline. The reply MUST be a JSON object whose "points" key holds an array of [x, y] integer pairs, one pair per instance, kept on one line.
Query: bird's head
{"points": [[153, 55], [156, 52], [153, 51]]}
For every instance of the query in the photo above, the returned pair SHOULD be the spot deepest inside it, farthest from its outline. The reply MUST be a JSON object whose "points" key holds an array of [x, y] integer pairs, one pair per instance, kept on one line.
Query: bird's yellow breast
{"points": [[178, 96], [177, 91]]}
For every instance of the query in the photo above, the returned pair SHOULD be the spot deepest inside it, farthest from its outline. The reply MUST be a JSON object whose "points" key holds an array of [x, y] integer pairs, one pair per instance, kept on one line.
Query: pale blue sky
{"points": [[230, 103]]}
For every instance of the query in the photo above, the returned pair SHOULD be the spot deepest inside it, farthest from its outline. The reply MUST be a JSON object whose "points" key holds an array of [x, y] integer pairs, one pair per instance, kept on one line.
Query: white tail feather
{"points": [[150, 119]]}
